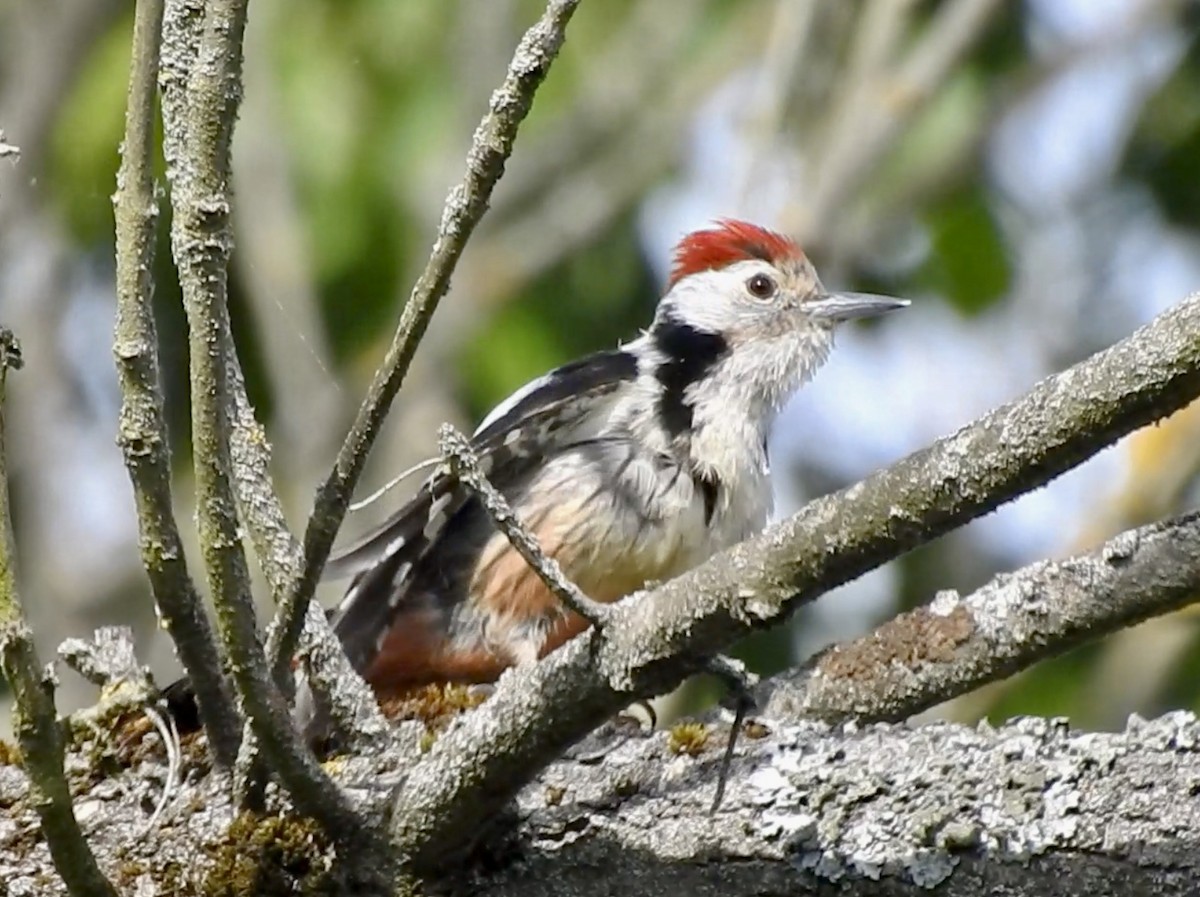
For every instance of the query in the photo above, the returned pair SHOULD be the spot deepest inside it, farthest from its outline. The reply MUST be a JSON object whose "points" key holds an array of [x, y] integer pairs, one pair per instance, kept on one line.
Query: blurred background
{"points": [[1027, 172]]}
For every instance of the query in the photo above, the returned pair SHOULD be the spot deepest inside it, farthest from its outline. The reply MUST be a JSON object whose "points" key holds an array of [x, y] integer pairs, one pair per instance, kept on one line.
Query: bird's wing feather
{"points": [[534, 423]]}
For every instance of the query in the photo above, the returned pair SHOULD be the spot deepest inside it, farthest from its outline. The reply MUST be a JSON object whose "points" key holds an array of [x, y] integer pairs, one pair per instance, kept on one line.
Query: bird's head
{"points": [[745, 309]]}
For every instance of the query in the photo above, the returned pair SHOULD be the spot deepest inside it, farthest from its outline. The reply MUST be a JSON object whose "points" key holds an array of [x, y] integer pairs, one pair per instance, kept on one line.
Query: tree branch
{"points": [[651, 643], [464, 463], [259, 506], [142, 432], [1029, 809], [957, 644], [35, 721], [202, 68], [491, 146]]}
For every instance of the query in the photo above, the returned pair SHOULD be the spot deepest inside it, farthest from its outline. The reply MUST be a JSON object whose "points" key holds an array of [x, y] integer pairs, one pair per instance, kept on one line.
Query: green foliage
{"points": [[968, 262]]}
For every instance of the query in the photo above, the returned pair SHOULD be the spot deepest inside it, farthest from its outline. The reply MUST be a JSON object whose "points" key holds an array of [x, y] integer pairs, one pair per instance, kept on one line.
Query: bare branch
{"points": [[1027, 809], [142, 431], [335, 685], [956, 644], [464, 463], [278, 552], [651, 643], [201, 89], [107, 660], [491, 146], [35, 721], [266, 220], [259, 505]]}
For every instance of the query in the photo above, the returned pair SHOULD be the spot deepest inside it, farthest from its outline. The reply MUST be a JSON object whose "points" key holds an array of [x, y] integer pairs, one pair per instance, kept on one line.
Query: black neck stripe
{"points": [[689, 354]]}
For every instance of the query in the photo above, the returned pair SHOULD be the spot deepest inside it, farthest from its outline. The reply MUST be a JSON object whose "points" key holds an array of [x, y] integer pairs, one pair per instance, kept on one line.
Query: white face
{"points": [[761, 311]]}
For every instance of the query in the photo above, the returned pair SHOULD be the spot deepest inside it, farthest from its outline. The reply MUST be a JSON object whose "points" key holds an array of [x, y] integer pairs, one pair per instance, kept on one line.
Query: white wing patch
{"points": [[512, 401]]}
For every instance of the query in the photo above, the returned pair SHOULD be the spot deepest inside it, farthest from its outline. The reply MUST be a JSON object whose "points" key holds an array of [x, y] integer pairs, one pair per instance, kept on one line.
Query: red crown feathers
{"points": [[730, 241]]}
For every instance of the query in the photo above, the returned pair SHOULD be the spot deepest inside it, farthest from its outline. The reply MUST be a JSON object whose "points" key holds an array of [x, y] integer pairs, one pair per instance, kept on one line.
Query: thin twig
{"points": [[142, 432], [466, 204], [164, 724], [35, 721], [957, 644], [201, 88], [464, 463], [279, 555]]}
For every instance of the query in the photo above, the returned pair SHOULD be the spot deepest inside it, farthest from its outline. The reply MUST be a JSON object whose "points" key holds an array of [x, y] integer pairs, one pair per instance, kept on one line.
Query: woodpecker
{"points": [[629, 466]]}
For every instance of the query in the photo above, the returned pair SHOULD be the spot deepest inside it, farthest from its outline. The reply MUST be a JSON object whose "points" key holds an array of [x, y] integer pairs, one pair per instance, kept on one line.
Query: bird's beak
{"points": [[838, 307]]}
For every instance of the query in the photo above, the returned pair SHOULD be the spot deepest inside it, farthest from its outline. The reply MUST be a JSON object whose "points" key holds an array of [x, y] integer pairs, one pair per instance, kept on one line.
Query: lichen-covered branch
{"points": [[652, 641], [142, 431], [957, 644], [259, 506], [490, 148], [1027, 809], [35, 721], [202, 56]]}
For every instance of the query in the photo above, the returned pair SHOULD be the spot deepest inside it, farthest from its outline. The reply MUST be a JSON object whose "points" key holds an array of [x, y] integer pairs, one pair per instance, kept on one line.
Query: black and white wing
{"points": [[536, 422]]}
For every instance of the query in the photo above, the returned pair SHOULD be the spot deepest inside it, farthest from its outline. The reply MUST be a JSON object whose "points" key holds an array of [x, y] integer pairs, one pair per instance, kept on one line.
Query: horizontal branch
{"points": [[652, 642], [957, 644], [1028, 809], [1031, 808]]}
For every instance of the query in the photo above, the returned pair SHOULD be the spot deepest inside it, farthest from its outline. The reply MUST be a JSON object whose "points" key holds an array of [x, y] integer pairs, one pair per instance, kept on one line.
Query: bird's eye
{"points": [[760, 286]]}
